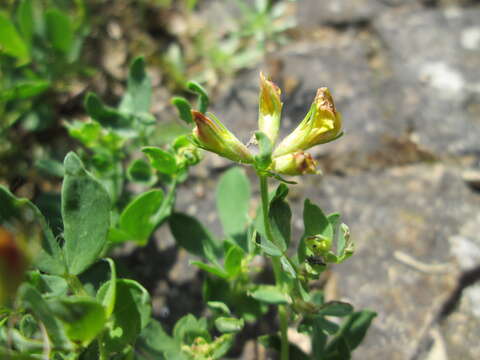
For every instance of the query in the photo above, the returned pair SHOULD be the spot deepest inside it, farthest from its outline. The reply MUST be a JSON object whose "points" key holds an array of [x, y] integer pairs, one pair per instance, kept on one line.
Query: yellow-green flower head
{"points": [[321, 124], [269, 108], [213, 136], [297, 163]]}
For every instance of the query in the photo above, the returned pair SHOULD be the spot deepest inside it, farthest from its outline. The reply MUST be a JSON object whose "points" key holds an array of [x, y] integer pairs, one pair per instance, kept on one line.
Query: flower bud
{"points": [[297, 163], [321, 124], [269, 108], [213, 136]]}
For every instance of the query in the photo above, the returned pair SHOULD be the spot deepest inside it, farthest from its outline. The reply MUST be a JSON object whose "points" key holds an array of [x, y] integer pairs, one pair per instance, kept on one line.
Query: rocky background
{"points": [[405, 176]]}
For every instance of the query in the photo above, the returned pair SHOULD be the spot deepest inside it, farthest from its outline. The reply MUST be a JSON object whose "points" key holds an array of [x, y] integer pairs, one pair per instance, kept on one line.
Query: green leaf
{"points": [[107, 293], [86, 216], [188, 328], [60, 30], [352, 331], [335, 308], [50, 167], [264, 157], [33, 301], [82, 317], [10, 41], [203, 99], [287, 266], [266, 245], [192, 236], [130, 315], [219, 307], [155, 341], [280, 217], [25, 19], [315, 223], [321, 323], [320, 328], [269, 294], [233, 198], [161, 160], [107, 116], [88, 133], [184, 109], [212, 269], [142, 215], [233, 260], [28, 326], [140, 171], [137, 99], [221, 345], [49, 285], [24, 90], [50, 259], [229, 324]]}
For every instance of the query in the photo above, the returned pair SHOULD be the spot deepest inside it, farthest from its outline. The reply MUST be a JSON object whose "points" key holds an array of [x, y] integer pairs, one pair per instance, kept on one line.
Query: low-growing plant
{"points": [[40, 57], [209, 55], [61, 297], [326, 240]]}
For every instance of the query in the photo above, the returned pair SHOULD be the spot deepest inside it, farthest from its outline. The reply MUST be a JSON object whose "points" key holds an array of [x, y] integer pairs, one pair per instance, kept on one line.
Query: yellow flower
{"points": [[297, 163], [213, 136], [321, 124], [269, 108]]}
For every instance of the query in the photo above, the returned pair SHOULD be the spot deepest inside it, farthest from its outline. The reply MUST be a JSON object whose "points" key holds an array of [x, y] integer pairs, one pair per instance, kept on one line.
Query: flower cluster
{"points": [[322, 124]]}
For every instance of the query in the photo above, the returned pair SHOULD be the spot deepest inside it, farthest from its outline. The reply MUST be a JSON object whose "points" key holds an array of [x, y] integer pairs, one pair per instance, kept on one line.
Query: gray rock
{"points": [[340, 12], [401, 221], [435, 60], [461, 328]]}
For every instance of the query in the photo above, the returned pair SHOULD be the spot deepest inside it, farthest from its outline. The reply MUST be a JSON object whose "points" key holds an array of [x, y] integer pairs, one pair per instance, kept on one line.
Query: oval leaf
{"points": [[139, 218], [233, 198], [269, 294], [228, 324], [86, 216], [161, 160]]}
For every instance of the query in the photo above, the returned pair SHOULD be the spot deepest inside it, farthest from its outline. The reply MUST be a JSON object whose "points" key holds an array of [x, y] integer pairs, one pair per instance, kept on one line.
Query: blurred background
{"points": [[406, 175]]}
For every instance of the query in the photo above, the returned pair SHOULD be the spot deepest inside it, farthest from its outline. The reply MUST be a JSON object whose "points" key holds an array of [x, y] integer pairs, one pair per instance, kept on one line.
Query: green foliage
{"points": [[85, 231], [39, 49], [141, 216], [233, 198], [83, 318], [201, 244], [72, 304]]}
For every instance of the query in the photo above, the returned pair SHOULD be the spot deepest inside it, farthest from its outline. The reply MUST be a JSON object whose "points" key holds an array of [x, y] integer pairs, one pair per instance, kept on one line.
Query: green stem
{"points": [[101, 348], [76, 285], [166, 207], [277, 269]]}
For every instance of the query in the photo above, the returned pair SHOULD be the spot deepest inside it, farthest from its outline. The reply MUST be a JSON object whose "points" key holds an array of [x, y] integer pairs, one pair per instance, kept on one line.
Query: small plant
{"points": [[325, 240], [61, 296], [208, 55], [40, 57]]}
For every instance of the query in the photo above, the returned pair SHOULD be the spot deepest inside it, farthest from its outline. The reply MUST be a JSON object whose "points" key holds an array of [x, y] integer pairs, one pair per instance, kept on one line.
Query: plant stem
{"points": [[101, 348], [76, 285], [277, 269]]}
